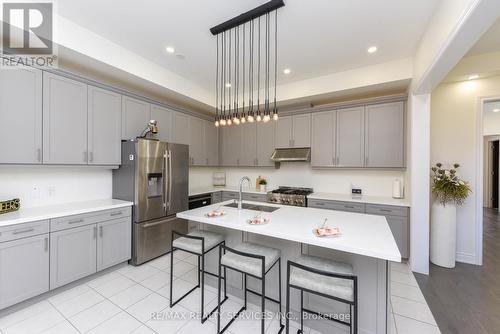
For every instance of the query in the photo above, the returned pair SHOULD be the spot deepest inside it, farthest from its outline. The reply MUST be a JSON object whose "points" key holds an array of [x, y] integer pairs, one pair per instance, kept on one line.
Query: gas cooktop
{"points": [[290, 196]]}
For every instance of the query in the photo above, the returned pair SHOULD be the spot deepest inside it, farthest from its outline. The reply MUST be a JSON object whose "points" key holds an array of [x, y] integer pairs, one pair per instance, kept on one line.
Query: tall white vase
{"points": [[443, 234]]}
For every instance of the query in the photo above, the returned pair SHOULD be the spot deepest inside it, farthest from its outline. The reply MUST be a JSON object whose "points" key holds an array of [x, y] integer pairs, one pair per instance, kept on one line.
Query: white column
{"points": [[419, 163]]}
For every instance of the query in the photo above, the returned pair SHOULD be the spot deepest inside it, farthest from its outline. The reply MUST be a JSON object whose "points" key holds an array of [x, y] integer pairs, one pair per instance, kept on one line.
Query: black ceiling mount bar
{"points": [[248, 16]]}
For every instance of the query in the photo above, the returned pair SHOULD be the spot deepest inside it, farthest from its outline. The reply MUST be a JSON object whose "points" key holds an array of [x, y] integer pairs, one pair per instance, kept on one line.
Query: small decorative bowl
{"points": [[258, 221], [215, 214]]}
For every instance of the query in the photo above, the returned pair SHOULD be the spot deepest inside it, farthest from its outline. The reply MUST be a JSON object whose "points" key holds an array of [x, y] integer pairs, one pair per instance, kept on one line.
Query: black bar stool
{"points": [[255, 261], [198, 243], [326, 278]]}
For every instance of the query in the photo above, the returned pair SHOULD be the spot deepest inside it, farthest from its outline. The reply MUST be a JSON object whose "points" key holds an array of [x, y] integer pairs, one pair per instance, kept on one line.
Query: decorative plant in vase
{"points": [[450, 191], [263, 184]]}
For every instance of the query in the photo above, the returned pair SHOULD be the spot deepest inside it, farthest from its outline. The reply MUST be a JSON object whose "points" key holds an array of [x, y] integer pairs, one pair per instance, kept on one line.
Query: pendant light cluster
{"points": [[247, 65]]}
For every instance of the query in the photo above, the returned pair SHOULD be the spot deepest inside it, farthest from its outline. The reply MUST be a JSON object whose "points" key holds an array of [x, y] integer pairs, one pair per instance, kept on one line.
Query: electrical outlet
{"points": [[35, 192], [356, 191], [52, 191]]}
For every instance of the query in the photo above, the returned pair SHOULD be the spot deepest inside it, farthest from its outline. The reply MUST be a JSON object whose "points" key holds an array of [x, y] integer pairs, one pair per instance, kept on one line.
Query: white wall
{"points": [[55, 184], [374, 183], [455, 137]]}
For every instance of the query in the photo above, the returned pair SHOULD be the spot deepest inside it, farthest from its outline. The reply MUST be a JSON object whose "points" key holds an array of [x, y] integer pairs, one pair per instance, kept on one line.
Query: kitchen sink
{"points": [[254, 207]]}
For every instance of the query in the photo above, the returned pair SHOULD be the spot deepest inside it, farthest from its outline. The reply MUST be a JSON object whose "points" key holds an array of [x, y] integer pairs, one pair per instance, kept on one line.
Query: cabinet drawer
{"points": [[254, 197], [64, 223], [338, 206], [387, 210], [18, 231], [227, 195]]}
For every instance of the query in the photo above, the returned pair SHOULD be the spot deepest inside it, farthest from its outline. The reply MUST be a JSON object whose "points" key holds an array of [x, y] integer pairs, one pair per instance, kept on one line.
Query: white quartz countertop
{"points": [[362, 234], [25, 215], [360, 199], [209, 190]]}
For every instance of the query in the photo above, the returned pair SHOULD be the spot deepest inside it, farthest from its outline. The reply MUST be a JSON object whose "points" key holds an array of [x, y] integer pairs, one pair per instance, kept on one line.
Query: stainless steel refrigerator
{"points": [[154, 175]]}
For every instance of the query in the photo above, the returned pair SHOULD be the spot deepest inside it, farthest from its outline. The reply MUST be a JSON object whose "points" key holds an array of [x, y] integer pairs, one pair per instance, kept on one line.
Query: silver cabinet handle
{"points": [[207, 162], [91, 157], [385, 210], [101, 231], [348, 207], [366, 161], [164, 185], [27, 230], [113, 214], [39, 154], [95, 232], [46, 244], [75, 221]]}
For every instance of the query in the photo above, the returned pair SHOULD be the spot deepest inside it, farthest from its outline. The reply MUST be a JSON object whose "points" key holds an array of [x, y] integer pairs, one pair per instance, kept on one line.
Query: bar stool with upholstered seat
{"points": [[255, 261], [198, 243], [326, 278]]}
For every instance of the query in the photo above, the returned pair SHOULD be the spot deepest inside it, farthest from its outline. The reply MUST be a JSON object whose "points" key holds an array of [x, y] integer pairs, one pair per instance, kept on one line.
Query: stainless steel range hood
{"points": [[291, 154]]}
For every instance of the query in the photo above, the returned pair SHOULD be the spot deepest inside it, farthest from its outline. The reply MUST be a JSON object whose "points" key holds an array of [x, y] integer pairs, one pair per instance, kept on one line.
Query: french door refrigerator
{"points": [[154, 175]]}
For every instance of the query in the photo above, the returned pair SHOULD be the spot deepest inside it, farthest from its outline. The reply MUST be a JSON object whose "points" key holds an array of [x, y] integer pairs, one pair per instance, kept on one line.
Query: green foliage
{"points": [[263, 182], [447, 186]]}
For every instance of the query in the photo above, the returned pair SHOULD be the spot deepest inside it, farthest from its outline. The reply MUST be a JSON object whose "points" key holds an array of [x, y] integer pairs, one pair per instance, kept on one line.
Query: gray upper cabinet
{"points": [[384, 135], [180, 130], [293, 131], [301, 134], [64, 120], [265, 143], [231, 142], [135, 117], [164, 120], [212, 144], [350, 150], [197, 153], [21, 106], [323, 140], [248, 148], [284, 128], [104, 125]]}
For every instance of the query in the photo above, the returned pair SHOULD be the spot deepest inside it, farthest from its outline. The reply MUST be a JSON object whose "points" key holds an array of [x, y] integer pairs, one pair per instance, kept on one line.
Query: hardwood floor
{"points": [[466, 299]]}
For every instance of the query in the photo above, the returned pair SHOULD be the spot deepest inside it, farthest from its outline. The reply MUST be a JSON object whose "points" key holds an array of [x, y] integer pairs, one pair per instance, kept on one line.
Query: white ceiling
{"points": [[316, 37], [489, 42]]}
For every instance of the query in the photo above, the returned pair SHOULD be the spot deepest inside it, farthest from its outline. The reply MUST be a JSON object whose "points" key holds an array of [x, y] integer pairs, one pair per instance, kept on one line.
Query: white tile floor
{"points": [[123, 300]]}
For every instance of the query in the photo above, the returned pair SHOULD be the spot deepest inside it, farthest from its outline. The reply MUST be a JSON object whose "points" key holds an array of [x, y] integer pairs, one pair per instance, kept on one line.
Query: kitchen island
{"points": [[366, 242]]}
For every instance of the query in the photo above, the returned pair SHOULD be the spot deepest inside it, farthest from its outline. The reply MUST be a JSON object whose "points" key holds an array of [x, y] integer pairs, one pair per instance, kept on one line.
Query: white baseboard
{"points": [[466, 258]]}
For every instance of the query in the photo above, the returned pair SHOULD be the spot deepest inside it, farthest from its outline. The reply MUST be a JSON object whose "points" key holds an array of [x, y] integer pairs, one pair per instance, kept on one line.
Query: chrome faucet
{"points": [[241, 184]]}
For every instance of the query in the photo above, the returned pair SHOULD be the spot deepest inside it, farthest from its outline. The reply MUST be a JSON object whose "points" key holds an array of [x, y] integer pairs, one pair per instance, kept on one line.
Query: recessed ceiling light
{"points": [[170, 49], [372, 49], [496, 110], [228, 84], [287, 71], [473, 77]]}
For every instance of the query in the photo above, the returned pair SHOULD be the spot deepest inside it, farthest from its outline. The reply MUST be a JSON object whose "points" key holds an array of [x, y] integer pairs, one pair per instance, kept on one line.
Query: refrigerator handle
{"points": [[164, 186], [169, 178]]}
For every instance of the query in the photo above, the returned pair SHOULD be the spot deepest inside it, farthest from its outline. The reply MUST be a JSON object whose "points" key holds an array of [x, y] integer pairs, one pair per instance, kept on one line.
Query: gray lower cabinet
{"points": [[112, 245], [228, 195], [349, 137], [24, 269], [217, 197], [72, 254], [135, 117], [64, 120], [164, 119], [384, 135], [397, 218], [21, 107], [104, 127]]}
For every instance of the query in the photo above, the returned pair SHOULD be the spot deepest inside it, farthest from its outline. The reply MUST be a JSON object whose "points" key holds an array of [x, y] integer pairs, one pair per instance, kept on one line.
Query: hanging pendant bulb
{"points": [[275, 115], [229, 122], [266, 118], [217, 123], [243, 119], [250, 119]]}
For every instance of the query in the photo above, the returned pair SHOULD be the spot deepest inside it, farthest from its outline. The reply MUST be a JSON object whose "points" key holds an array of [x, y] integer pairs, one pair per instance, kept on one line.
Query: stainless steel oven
{"points": [[153, 175]]}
